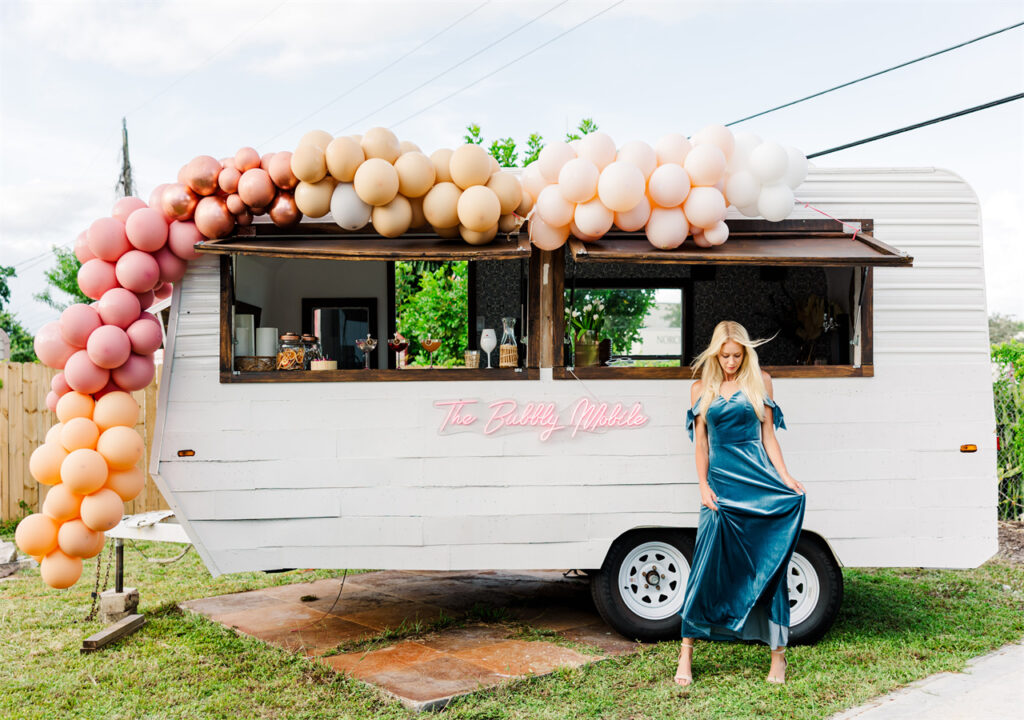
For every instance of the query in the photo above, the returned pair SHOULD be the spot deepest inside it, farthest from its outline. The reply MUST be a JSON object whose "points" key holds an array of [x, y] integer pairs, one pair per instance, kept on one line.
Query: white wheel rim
{"points": [[652, 580], [804, 589]]}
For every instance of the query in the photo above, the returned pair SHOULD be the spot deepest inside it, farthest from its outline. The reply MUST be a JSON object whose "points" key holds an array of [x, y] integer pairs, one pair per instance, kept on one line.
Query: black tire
{"points": [[819, 616], [608, 599]]}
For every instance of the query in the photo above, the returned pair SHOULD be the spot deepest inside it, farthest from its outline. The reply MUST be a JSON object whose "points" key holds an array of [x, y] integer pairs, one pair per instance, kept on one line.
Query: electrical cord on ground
{"points": [[329, 610], [161, 561]]}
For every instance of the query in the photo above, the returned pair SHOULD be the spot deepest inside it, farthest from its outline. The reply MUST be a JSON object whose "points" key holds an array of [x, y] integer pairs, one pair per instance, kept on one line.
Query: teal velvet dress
{"points": [[737, 586]]}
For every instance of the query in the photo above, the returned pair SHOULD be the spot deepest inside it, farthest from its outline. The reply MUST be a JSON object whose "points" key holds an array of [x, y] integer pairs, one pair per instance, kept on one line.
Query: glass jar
{"points": [[290, 352], [508, 351], [311, 346]]}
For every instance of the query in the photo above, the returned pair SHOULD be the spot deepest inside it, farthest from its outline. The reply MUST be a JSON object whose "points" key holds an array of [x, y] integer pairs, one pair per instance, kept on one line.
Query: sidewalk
{"points": [[990, 688]]}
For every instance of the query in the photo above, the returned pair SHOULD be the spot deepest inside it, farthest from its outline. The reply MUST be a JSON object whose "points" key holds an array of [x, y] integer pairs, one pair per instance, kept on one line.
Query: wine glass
{"points": [[430, 345], [488, 342], [397, 344], [367, 346]]}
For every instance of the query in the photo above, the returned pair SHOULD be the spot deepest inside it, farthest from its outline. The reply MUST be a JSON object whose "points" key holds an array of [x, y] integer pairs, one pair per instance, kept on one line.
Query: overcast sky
{"points": [[209, 77]]}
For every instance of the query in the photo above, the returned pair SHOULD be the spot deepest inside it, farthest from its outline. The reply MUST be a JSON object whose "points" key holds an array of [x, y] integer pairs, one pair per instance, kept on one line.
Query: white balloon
{"points": [[667, 228], [633, 220], [797, 169], [768, 162], [701, 241], [672, 148], [718, 234], [348, 209], [742, 188], [745, 144], [553, 208], [552, 158], [750, 210], [775, 202], [598, 148]]}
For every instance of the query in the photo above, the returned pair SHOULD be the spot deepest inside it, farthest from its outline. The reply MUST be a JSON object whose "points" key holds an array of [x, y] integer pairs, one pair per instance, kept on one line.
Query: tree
{"points": [[63, 277], [21, 339], [625, 310], [506, 150], [1004, 328], [586, 126], [433, 303]]}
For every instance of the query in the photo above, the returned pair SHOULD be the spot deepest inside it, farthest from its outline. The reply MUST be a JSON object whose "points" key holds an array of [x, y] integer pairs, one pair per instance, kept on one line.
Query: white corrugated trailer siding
{"points": [[355, 474]]}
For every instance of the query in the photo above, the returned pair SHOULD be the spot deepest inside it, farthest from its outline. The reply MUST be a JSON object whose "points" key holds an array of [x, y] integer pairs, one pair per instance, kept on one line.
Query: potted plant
{"points": [[586, 324]]}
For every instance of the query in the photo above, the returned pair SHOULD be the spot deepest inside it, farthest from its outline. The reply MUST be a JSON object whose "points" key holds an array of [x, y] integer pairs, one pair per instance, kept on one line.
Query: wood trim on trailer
{"points": [[455, 374], [227, 299], [686, 373]]}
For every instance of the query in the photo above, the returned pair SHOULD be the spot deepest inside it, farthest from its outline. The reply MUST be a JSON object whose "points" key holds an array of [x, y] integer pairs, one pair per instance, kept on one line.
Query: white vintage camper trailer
{"points": [[554, 465]]}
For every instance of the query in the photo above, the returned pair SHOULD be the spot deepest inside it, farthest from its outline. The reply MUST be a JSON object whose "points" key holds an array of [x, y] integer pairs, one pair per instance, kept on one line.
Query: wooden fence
{"points": [[24, 420]]}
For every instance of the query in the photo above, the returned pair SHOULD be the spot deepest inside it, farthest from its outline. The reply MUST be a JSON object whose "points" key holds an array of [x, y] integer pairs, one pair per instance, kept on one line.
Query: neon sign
{"points": [[585, 416]]}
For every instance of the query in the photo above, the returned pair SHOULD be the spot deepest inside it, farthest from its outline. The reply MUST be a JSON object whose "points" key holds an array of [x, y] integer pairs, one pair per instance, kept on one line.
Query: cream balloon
{"points": [[533, 180], [552, 158], [577, 233], [442, 161], [718, 135], [376, 182], [470, 165], [479, 209], [768, 162], [745, 144], [621, 186], [672, 148], [775, 202], [742, 188], [669, 185], [577, 180], [553, 208], [705, 206], [308, 163], [546, 237], [475, 237], [598, 148], [343, 156], [749, 211], [316, 138], [639, 154], [718, 234], [416, 174], [393, 219], [314, 199], [508, 189], [667, 228], [635, 219], [347, 208], [796, 169], [593, 218], [701, 241], [705, 165], [382, 144], [440, 206]]}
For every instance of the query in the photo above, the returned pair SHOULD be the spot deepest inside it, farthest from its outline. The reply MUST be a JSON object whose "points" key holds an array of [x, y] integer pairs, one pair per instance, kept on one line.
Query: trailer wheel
{"points": [[815, 585], [639, 589]]}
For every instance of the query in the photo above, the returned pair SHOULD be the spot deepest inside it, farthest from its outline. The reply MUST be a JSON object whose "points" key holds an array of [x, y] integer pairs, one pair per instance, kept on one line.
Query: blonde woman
{"points": [[752, 508]]}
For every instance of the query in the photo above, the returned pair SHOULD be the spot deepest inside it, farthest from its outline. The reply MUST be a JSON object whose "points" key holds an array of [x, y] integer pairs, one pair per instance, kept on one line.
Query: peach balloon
{"points": [[621, 186], [116, 409], [509, 223], [705, 165], [280, 170], [36, 534], [478, 209], [118, 307], [74, 404], [83, 375], [577, 233], [265, 161], [533, 180], [699, 239], [283, 210], [577, 180], [76, 540], [181, 239], [393, 219], [228, 180], [442, 159], [107, 239], [82, 251], [508, 189], [526, 205], [409, 146], [593, 218], [344, 156], [77, 323], [718, 234], [419, 220], [146, 229], [95, 277], [78, 433], [598, 148], [235, 204], [123, 207], [138, 271], [553, 208], [84, 471], [495, 165], [640, 155], [53, 438], [60, 571], [705, 206], [667, 228], [470, 165], [635, 219], [552, 158], [257, 189], [672, 148], [546, 237], [314, 199], [451, 232], [201, 174], [246, 159], [102, 510], [380, 143], [478, 237], [416, 174], [440, 205], [61, 504], [126, 483], [376, 182], [669, 185], [45, 461], [718, 135], [308, 163], [121, 446], [179, 202], [136, 373]]}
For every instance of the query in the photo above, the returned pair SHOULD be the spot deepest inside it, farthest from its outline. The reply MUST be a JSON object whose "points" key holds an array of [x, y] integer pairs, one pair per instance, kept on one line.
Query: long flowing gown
{"points": [[737, 586]]}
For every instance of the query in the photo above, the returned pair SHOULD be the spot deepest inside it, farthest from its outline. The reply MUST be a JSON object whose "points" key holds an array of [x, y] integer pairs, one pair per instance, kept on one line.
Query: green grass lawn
{"points": [[895, 626]]}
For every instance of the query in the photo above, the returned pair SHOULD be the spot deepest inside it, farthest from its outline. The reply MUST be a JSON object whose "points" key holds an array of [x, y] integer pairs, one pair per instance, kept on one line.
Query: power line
{"points": [[508, 64], [908, 128], [452, 67], [379, 72], [876, 74]]}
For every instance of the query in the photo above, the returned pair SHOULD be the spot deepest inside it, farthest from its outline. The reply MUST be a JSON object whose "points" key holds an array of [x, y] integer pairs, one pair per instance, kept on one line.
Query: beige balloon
{"points": [[393, 219], [317, 138], [440, 205], [475, 237], [470, 165], [376, 182], [314, 199], [343, 156], [381, 143], [358, 138], [308, 163], [508, 189], [495, 167], [442, 161], [526, 205], [419, 220], [415, 174], [509, 223], [408, 146], [478, 208], [452, 232]]}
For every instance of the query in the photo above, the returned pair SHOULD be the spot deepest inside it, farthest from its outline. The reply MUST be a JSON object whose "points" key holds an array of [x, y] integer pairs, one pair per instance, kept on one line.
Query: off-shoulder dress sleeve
{"points": [[691, 418], [777, 418]]}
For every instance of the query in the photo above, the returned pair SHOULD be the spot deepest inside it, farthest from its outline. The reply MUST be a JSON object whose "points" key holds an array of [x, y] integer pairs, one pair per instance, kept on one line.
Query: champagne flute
{"points": [[488, 341], [430, 345]]}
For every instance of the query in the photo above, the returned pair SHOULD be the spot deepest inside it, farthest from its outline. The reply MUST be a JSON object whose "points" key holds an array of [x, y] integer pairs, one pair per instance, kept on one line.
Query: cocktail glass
{"points": [[431, 345], [367, 345], [397, 344]]}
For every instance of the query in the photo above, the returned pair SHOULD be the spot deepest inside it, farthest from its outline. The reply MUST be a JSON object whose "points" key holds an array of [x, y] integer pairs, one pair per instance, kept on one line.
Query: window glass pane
{"points": [[639, 322]]}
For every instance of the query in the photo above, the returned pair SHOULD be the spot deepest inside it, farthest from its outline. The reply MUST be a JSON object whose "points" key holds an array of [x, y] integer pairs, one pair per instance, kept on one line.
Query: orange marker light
{"points": [[190, 453], [968, 448]]}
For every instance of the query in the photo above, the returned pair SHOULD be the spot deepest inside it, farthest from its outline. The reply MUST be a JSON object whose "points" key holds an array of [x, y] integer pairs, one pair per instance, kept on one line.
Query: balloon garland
{"points": [[131, 259]]}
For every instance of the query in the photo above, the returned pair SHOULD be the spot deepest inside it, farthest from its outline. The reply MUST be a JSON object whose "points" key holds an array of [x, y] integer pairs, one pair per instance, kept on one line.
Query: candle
{"points": [[266, 341], [243, 341]]}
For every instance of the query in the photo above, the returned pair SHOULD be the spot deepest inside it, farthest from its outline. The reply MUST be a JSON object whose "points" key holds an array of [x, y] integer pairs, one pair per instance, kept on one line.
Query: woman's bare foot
{"points": [[684, 674], [777, 672]]}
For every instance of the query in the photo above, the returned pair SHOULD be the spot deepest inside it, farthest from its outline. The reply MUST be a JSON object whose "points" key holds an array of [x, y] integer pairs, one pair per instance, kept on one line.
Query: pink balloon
{"points": [[145, 334], [110, 387], [156, 200], [51, 401], [119, 307], [77, 322], [146, 299], [172, 267], [82, 251], [59, 385], [137, 271], [125, 207], [146, 229], [109, 347], [136, 373], [96, 277], [83, 375], [51, 347], [164, 291], [107, 239], [181, 237]]}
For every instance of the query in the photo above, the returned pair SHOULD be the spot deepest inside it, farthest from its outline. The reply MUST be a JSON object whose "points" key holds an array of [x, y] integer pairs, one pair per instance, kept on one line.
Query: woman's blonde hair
{"points": [[749, 375]]}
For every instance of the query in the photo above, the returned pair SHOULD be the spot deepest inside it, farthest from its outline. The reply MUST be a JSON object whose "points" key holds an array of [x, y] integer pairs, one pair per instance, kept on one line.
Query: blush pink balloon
{"points": [[156, 201], [119, 307], [136, 373], [59, 385], [51, 347], [77, 322], [146, 229], [110, 387], [137, 271], [146, 299], [82, 251], [107, 239], [96, 277], [109, 347], [172, 267], [125, 206], [181, 237], [164, 291], [83, 375], [51, 401], [145, 335]]}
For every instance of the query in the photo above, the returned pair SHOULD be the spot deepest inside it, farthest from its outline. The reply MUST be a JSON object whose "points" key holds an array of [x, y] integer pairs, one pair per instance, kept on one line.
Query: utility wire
{"points": [[908, 128], [876, 74], [452, 67], [508, 64], [379, 72]]}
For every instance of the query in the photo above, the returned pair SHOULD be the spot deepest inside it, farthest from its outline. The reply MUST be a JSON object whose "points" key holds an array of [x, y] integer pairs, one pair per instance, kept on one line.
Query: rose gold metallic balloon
{"points": [[235, 204], [280, 169], [228, 180], [283, 211], [179, 202], [246, 159], [202, 174], [258, 211], [244, 218], [256, 188], [265, 161], [183, 174], [213, 219]]}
